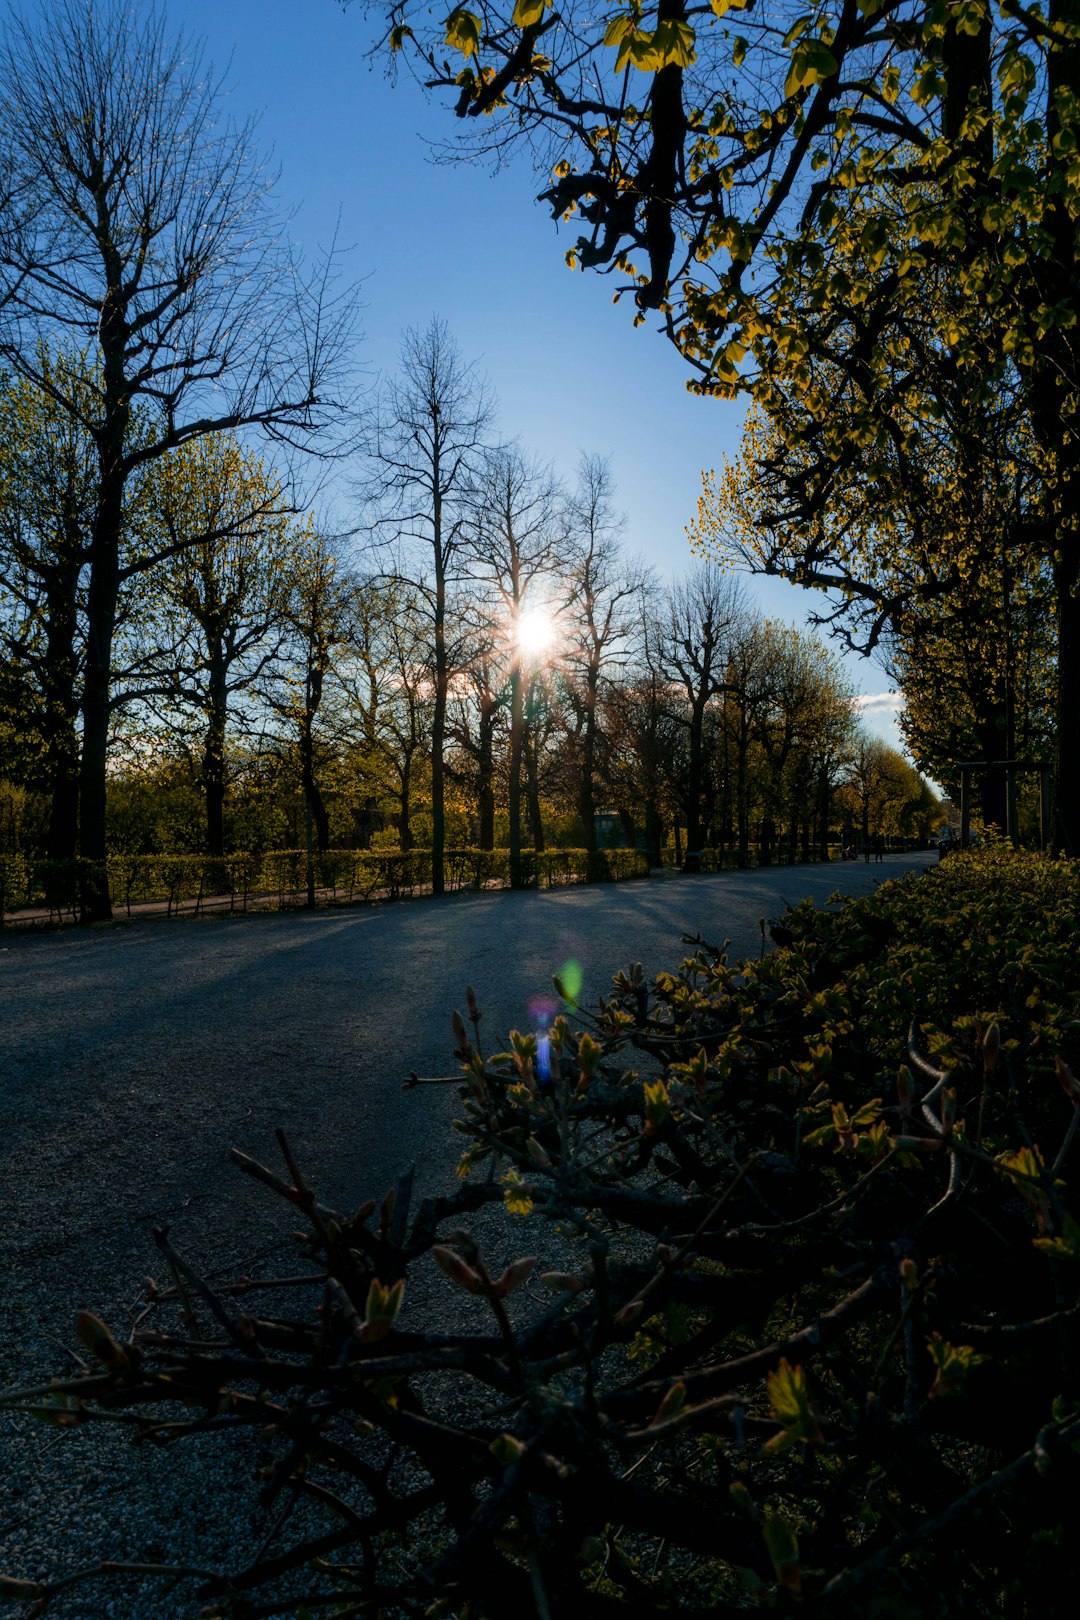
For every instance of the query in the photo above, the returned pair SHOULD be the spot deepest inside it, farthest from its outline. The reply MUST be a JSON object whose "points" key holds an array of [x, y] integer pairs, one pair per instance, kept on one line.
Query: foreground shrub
{"points": [[806, 1336]]}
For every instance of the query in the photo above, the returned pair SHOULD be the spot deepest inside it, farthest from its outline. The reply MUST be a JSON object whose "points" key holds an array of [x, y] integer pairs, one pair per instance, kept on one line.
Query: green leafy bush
{"points": [[806, 1336]]}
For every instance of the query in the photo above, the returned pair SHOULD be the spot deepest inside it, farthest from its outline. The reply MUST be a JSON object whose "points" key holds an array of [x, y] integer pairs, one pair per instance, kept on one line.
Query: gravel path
{"points": [[133, 1056]]}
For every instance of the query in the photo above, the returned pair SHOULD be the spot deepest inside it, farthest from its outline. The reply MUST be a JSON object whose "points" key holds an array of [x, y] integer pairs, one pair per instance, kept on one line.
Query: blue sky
{"points": [[571, 372]]}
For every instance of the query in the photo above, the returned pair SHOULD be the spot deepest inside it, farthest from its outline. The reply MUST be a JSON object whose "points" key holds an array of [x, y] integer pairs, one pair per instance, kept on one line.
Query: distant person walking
{"points": [[879, 847]]}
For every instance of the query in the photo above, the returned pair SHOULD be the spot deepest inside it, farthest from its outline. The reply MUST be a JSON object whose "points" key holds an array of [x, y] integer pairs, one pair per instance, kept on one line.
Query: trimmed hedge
{"points": [[810, 1341]]}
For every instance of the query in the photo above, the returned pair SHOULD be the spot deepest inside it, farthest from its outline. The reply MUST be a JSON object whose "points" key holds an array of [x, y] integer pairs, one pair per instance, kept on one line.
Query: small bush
{"points": [[809, 1339]]}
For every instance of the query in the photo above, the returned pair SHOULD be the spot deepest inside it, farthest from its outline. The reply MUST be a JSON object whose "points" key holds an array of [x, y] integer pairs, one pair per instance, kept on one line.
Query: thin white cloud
{"points": [[880, 701]]}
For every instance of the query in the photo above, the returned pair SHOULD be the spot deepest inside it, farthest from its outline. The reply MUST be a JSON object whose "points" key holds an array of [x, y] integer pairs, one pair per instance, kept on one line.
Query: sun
{"points": [[535, 634]]}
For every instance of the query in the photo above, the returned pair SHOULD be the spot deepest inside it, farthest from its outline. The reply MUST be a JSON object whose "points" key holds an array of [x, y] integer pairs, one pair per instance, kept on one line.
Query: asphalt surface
{"points": [[133, 1056]]}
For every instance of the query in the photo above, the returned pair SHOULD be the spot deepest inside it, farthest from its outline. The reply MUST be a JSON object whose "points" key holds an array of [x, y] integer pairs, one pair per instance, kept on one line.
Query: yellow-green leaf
{"points": [[673, 44], [463, 31], [529, 12], [811, 63]]}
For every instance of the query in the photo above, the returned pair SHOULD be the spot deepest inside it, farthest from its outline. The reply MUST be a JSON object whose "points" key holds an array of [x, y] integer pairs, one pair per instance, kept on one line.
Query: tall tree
{"points": [[478, 708], [424, 436], [700, 620], [318, 618], [222, 596], [516, 538], [917, 525], [604, 591], [46, 499], [135, 221]]}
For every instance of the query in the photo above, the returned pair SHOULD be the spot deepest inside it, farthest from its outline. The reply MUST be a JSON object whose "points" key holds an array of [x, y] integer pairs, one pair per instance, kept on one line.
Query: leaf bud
{"points": [[537, 1153], [588, 1054], [905, 1089], [991, 1048], [456, 1268], [657, 1104], [514, 1275], [671, 1405], [1067, 1081], [100, 1342], [506, 1449], [563, 1282]]}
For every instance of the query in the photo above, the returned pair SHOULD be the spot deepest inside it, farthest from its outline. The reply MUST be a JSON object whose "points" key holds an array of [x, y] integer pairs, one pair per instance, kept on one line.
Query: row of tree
{"points": [[496, 662], [163, 588]]}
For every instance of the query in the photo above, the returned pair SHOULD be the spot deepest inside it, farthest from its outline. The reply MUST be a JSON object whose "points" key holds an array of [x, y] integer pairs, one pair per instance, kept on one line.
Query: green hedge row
{"points": [[280, 876]]}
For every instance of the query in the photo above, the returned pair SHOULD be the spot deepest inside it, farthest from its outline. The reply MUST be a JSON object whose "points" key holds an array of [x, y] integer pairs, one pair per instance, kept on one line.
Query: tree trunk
{"points": [[695, 776], [654, 834], [586, 798], [1052, 384], [404, 830], [442, 680], [536, 819], [102, 592], [96, 905], [62, 708], [214, 757], [485, 789], [517, 711], [1065, 802]]}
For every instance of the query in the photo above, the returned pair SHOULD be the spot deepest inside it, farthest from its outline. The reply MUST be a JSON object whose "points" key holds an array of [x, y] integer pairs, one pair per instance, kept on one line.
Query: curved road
{"points": [[133, 1057]]}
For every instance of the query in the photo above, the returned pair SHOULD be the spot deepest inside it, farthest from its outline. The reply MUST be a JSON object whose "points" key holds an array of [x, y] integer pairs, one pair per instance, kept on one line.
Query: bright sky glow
{"points": [[535, 634]]}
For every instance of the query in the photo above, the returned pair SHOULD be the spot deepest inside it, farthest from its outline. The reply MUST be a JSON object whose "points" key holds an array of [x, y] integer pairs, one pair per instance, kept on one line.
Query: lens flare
{"points": [[570, 979], [541, 1012]]}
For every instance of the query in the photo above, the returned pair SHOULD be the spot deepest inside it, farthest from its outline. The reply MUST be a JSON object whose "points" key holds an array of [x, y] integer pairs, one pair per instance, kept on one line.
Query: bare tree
{"points": [[319, 617], [479, 697], [424, 435], [699, 621], [516, 539], [605, 589], [137, 225]]}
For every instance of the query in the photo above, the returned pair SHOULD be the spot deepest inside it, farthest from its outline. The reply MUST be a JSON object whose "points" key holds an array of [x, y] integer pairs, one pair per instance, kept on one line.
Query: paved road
{"points": [[133, 1057]]}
